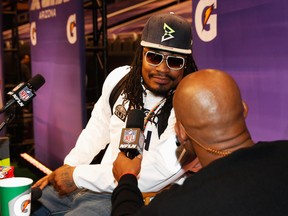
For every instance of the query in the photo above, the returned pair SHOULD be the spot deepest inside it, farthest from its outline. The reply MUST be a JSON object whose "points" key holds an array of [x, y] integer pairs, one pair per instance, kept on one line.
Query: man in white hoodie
{"points": [[164, 57]]}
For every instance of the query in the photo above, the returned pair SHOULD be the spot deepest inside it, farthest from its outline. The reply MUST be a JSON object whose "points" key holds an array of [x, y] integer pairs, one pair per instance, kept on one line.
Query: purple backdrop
{"points": [[248, 39], [57, 52]]}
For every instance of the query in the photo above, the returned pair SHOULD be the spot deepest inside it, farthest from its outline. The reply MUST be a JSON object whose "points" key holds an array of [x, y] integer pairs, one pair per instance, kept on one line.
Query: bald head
{"points": [[208, 103]]}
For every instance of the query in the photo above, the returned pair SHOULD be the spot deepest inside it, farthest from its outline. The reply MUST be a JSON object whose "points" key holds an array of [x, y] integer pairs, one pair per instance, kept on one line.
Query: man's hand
{"points": [[124, 165], [62, 179], [41, 183]]}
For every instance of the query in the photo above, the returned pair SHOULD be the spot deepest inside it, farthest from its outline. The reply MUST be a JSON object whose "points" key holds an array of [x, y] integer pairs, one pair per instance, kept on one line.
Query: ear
{"points": [[180, 132], [245, 109]]}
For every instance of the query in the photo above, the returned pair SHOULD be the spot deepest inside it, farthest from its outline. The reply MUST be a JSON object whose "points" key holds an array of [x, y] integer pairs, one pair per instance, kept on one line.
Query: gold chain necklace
{"points": [[208, 149]]}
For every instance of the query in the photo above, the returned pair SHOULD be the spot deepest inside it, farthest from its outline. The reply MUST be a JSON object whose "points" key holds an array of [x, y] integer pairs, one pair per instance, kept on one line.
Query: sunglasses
{"points": [[173, 62]]}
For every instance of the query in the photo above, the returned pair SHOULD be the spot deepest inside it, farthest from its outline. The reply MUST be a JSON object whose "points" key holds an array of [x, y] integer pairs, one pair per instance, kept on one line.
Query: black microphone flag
{"points": [[132, 138]]}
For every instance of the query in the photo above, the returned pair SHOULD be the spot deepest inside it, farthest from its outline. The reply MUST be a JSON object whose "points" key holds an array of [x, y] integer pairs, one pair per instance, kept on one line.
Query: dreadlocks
{"points": [[133, 89]]}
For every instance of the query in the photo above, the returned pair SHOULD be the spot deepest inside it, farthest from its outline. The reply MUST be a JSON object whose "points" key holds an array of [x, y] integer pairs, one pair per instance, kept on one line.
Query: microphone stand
{"points": [[10, 117], [7, 105]]}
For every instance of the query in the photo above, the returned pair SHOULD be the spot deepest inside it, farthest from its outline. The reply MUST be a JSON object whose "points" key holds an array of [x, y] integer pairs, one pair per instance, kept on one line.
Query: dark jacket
{"points": [[249, 182]]}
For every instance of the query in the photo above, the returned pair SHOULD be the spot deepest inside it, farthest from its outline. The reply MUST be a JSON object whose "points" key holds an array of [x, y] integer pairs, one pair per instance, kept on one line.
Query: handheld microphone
{"points": [[24, 92], [132, 138], [36, 193]]}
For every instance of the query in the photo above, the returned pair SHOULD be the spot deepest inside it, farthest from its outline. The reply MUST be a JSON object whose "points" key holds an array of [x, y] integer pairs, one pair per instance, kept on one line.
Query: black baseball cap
{"points": [[168, 32]]}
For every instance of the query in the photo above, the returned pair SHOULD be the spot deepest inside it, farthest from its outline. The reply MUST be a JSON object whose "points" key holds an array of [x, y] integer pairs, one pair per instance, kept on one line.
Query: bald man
{"points": [[238, 177]]}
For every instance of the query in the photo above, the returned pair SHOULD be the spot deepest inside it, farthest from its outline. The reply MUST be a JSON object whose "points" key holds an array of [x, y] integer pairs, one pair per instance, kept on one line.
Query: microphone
{"points": [[36, 193], [132, 138], [24, 92]]}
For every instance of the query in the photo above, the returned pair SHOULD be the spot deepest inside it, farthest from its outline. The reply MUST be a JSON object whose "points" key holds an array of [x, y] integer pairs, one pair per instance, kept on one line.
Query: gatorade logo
{"points": [[22, 205], [33, 33], [71, 29], [206, 20]]}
